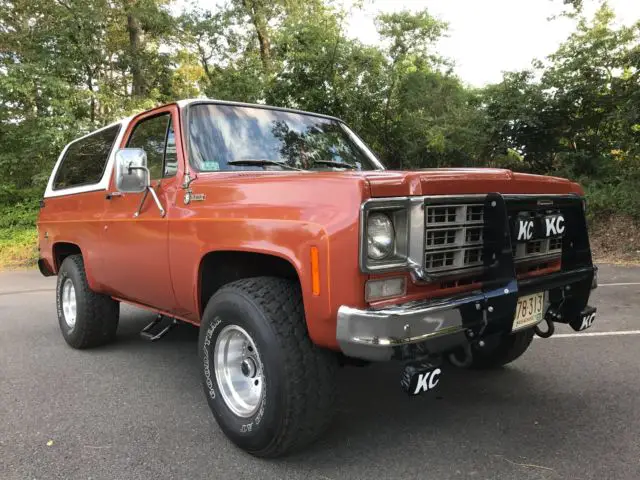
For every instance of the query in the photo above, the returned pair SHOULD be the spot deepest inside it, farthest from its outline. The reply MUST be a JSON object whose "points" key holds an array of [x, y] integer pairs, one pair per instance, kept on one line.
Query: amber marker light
{"points": [[315, 271]]}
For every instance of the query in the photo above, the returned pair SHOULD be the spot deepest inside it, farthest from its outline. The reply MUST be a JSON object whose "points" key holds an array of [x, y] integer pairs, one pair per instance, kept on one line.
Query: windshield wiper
{"points": [[261, 163], [331, 163]]}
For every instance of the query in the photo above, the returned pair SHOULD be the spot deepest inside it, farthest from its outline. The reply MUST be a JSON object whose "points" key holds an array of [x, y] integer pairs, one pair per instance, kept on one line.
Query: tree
{"points": [[68, 66]]}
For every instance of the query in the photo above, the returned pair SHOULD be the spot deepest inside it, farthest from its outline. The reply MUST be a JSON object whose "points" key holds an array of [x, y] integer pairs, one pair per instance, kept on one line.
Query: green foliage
{"points": [[18, 209], [70, 66], [579, 119], [605, 198]]}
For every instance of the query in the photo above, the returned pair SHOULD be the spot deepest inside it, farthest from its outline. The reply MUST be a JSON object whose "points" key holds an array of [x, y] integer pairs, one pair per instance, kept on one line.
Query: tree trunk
{"points": [[138, 88], [92, 112], [259, 20], [387, 118], [204, 61]]}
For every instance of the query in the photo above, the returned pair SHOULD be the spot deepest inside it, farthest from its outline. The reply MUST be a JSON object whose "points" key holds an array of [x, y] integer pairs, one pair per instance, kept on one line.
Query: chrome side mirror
{"points": [[132, 174]]}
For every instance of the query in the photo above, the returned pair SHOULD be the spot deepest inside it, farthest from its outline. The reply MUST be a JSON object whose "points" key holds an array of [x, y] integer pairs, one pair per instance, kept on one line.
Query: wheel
{"points": [[502, 350], [87, 319], [270, 389]]}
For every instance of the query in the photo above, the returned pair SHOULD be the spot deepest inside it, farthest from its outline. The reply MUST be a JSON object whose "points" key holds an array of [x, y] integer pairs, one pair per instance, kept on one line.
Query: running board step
{"points": [[158, 328]]}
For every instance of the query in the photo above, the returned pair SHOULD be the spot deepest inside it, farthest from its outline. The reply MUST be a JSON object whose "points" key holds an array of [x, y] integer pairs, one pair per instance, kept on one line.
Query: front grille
{"points": [[454, 242], [453, 237], [534, 249]]}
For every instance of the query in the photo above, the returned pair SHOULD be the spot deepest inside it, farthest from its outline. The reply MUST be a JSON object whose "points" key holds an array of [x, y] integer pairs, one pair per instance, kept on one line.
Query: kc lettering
{"points": [[555, 225], [427, 381], [525, 231], [588, 321]]}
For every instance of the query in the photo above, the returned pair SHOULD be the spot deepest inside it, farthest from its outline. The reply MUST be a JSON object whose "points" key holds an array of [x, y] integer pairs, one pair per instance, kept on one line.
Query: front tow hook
{"points": [[545, 333]]}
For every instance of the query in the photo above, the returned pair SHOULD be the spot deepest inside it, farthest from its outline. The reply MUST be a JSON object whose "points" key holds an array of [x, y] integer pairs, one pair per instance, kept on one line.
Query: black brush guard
{"points": [[569, 288]]}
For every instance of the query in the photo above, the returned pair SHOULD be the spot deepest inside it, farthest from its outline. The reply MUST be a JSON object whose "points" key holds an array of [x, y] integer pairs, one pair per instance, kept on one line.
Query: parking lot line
{"points": [[18, 292], [596, 334], [617, 284]]}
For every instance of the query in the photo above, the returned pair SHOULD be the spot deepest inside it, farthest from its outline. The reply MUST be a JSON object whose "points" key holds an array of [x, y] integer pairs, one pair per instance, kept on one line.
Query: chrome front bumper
{"points": [[437, 325], [377, 334]]}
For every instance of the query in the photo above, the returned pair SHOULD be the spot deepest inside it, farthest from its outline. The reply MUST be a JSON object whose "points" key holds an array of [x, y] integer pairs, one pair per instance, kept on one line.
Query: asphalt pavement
{"points": [[568, 409]]}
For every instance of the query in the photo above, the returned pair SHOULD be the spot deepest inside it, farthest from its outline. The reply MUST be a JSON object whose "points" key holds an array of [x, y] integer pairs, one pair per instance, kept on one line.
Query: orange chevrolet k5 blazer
{"points": [[284, 238]]}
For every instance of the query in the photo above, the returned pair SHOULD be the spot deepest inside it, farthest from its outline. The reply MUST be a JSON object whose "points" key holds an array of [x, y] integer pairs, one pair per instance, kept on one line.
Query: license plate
{"points": [[529, 312]]}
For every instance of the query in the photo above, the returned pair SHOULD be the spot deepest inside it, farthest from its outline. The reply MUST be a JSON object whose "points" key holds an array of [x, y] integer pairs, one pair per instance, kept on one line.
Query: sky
{"points": [[487, 37]]}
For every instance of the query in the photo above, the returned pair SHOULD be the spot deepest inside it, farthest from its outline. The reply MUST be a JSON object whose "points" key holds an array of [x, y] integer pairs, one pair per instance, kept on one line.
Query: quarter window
{"points": [[170, 155], [85, 159], [156, 137]]}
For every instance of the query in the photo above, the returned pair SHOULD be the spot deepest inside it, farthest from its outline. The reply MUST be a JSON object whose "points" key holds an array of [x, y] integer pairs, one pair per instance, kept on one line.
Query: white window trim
{"points": [[103, 184]]}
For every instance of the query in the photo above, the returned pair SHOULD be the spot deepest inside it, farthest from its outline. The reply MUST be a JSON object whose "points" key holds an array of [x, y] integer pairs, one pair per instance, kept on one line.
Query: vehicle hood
{"points": [[458, 181]]}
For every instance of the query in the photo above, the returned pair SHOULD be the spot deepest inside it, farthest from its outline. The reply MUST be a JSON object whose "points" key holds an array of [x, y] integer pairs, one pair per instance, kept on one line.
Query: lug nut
{"points": [[490, 309], [481, 343]]}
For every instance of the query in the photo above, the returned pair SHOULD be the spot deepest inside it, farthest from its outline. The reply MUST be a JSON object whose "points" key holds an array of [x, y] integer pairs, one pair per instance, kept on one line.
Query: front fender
{"points": [[290, 240]]}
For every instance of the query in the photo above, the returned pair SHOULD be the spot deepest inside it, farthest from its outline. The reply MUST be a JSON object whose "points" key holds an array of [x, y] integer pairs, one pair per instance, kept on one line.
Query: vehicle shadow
{"points": [[469, 411]]}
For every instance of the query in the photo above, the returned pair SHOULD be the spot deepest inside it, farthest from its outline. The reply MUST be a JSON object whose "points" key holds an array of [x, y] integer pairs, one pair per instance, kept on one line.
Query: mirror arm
{"points": [[131, 168], [155, 199], [144, 197], [146, 193]]}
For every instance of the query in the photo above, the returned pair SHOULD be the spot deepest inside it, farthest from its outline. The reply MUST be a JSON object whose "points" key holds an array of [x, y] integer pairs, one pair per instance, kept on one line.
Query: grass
{"points": [[18, 248], [18, 234]]}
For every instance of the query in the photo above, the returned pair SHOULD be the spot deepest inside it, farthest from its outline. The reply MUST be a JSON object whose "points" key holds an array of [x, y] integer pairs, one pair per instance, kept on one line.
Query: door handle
{"points": [[110, 195]]}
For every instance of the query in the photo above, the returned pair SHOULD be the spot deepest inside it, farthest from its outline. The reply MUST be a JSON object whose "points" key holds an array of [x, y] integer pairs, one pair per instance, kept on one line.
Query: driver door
{"points": [[135, 248]]}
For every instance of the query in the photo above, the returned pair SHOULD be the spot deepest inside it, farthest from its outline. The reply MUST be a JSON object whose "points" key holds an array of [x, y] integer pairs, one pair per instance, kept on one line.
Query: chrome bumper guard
{"points": [[376, 334], [439, 324]]}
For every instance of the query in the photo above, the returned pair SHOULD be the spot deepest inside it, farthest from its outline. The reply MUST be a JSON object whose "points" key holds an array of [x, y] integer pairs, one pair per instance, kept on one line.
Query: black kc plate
{"points": [[526, 227], [584, 320], [420, 377]]}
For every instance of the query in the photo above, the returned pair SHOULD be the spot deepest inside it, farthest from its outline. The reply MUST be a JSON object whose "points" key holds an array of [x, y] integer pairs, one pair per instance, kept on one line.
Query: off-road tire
{"points": [[299, 380], [97, 315], [506, 349]]}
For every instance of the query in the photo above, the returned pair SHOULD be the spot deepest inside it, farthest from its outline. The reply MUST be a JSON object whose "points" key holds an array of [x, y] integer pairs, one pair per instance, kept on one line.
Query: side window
{"points": [[85, 160], [155, 136]]}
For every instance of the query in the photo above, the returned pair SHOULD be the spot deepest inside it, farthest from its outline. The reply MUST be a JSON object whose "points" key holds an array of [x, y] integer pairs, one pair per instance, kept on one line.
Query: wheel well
{"points": [[62, 250], [219, 268]]}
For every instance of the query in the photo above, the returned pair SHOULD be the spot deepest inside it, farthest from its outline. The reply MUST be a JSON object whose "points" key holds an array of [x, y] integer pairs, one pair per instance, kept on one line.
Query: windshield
{"points": [[260, 137]]}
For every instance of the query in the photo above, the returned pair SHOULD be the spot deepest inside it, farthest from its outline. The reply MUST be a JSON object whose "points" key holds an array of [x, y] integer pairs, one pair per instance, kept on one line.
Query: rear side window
{"points": [[85, 160]]}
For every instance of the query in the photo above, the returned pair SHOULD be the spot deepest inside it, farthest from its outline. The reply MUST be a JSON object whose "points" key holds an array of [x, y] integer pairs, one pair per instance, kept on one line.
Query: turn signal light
{"points": [[385, 288], [315, 271]]}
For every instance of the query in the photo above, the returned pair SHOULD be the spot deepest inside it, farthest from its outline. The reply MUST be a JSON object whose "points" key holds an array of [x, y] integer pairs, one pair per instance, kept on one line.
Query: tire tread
{"points": [[310, 403], [100, 311]]}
